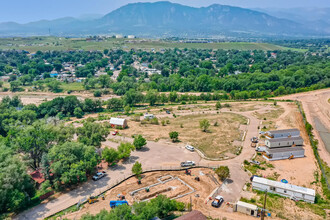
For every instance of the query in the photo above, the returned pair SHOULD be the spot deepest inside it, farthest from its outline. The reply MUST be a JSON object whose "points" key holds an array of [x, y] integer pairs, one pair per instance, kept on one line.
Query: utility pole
{"points": [[264, 209]]}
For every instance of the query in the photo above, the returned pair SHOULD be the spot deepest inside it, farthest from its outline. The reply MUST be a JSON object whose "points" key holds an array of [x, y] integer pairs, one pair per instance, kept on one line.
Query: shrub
{"points": [[223, 172], [174, 135], [97, 93]]}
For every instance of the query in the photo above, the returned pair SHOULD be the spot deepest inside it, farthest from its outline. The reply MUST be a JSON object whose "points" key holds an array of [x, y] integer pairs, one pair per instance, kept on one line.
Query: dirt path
{"points": [[317, 109]]}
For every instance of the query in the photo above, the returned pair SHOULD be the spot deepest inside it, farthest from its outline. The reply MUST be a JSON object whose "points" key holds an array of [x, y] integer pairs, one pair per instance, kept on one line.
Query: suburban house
{"points": [[118, 122], [284, 142], [148, 116], [283, 153], [284, 189], [246, 208], [283, 133]]}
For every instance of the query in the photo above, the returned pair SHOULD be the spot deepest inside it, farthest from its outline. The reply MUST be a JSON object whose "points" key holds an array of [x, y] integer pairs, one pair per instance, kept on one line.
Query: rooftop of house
{"points": [[283, 149], [303, 190], [298, 138], [283, 131], [195, 215]]}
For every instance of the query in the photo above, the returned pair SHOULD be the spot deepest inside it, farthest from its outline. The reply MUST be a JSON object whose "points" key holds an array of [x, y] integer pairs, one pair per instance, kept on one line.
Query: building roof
{"points": [[37, 176], [283, 149], [298, 138], [283, 131], [195, 215], [247, 205], [303, 190], [117, 121]]}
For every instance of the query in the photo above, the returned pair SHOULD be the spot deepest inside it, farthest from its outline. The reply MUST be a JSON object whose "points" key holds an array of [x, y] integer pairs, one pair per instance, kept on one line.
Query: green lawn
{"points": [[76, 86], [34, 44]]}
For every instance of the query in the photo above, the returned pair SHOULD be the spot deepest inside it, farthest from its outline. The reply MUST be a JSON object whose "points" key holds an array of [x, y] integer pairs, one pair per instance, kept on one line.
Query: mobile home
{"points": [[283, 133], [246, 208], [284, 189], [284, 153], [284, 142], [148, 116]]}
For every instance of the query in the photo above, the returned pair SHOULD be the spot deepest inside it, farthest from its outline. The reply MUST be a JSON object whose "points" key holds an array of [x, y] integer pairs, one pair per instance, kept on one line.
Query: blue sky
{"points": [[23, 11]]}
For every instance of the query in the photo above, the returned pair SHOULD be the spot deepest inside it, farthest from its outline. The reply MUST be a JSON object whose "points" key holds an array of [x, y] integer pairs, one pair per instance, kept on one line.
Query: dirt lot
{"points": [[219, 141], [203, 189]]}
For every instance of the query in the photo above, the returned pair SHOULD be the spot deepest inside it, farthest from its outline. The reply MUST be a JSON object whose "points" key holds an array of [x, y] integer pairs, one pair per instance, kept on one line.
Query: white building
{"points": [[118, 122], [119, 36], [284, 189], [284, 142], [130, 36], [284, 153], [246, 208], [283, 133]]}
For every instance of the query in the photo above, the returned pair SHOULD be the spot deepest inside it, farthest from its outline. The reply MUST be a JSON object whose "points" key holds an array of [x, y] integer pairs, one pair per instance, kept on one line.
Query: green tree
{"points": [[104, 81], [92, 133], [110, 155], [174, 135], [16, 188], [139, 142], [72, 161], [127, 109], [14, 86], [204, 124], [78, 112], [124, 150], [152, 97], [218, 105], [223, 172], [97, 93], [54, 86], [137, 169]]}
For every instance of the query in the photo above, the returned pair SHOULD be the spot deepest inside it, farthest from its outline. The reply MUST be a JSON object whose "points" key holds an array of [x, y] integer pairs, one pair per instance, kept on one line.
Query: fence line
{"points": [[314, 144]]}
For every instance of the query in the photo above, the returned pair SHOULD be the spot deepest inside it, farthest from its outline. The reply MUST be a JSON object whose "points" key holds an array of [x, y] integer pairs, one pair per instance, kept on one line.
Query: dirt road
{"points": [[317, 109]]}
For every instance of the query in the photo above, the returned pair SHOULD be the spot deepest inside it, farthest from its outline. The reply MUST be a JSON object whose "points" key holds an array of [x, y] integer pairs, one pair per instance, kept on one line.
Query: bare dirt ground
{"points": [[316, 105], [203, 188]]}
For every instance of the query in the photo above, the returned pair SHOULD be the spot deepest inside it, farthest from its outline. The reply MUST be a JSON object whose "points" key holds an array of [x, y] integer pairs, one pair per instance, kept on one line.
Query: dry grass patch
{"points": [[214, 143]]}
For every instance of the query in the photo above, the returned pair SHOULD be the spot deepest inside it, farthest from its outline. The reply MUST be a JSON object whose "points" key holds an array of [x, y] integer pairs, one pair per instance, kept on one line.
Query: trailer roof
{"points": [[303, 190], [298, 138], [247, 205], [284, 131], [117, 121], [284, 149]]}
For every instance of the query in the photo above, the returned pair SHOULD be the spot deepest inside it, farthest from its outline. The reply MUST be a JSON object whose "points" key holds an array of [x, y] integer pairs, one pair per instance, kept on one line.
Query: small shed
{"points": [[118, 122], [284, 153], [284, 142], [284, 189], [148, 116], [246, 208], [283, 133]]}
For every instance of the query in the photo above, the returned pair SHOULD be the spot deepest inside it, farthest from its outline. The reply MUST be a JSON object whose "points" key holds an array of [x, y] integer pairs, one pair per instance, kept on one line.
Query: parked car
{"points": [[187, 164], [255, 162], [261, 149], [217, 201], [99, 175], [191, 148], [168, 112], [262, 132], [114, 133]]}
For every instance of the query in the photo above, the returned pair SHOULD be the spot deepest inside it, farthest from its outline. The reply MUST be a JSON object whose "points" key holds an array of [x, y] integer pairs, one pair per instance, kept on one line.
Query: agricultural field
{"points": [[34, 44]]}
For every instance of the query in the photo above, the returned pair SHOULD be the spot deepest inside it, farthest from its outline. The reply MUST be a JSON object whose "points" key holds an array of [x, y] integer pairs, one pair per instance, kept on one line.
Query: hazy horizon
{"points": [[22, 11]]}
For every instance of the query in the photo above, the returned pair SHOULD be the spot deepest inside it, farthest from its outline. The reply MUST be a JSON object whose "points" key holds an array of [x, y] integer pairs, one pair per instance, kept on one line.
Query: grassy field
{"points": [[34, 44], [217, 142]]}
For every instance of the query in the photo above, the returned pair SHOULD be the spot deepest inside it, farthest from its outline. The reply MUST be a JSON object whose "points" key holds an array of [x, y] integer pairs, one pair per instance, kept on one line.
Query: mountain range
{"points": [[165, 19]]}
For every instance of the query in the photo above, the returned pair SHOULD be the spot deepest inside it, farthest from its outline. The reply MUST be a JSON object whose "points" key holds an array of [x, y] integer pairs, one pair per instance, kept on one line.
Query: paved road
{"points": [[155, 155]]}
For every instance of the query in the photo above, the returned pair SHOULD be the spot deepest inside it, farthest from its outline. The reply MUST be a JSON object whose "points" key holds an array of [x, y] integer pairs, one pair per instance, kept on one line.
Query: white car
{"points": [[99, 175], [190, 148], [187, 164]]}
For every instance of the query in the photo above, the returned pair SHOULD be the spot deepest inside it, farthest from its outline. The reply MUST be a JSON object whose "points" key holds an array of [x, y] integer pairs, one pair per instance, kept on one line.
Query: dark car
{"points": [[217, 201]]}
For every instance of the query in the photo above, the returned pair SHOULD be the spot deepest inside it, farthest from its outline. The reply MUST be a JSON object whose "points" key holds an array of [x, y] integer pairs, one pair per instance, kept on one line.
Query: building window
{"points": [[284, 191], [272, 188]]}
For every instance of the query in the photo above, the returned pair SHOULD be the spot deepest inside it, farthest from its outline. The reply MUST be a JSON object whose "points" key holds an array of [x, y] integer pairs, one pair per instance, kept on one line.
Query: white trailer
{"points": [[283, 133], [284, 153], [246, 208], [284, 189], [284, 142]]}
